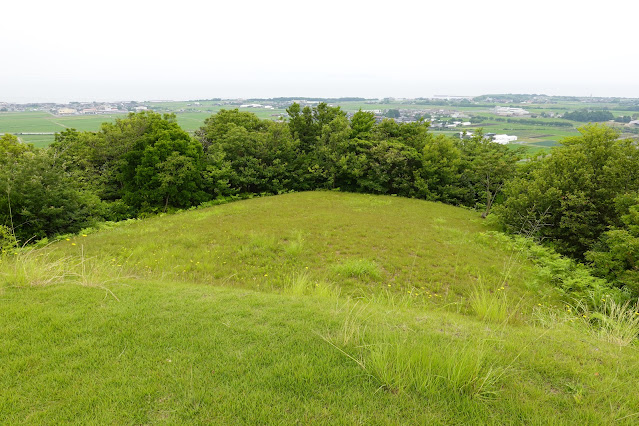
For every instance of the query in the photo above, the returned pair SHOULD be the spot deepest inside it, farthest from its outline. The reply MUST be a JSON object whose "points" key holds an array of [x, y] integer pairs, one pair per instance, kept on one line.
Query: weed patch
{"points": [[303, 284], [34, 267], [358, 268], [400, 361], [490, 306], [612, 321]]}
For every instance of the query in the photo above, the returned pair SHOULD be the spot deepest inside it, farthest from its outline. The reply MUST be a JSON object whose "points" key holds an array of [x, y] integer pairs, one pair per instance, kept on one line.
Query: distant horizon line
{"points": [[437, 97]]}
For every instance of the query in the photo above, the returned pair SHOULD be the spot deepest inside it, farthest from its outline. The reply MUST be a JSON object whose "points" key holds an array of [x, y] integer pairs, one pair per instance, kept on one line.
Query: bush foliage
{"points": [[145, 163]]}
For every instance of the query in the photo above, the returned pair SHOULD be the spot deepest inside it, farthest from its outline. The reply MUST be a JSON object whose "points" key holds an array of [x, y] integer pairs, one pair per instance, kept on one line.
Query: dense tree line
{"points": [[623, 119], [145, 163], [589, 116], [583, 198], [38, 198]]}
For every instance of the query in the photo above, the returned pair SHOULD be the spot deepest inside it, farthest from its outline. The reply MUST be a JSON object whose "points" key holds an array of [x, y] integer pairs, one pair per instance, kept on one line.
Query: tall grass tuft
{"points": [[95, 272], [39, 267], [613, 321], [353, 330], [399, 362], [34, 267], [295, 246], [428, 367], [389, 298], [358, 268], [302, 284], [489, 306]]}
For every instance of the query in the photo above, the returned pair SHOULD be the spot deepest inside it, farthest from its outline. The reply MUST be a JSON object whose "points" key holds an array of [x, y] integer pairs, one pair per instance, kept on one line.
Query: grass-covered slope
{"points": [[313, 307], [360, 243]]}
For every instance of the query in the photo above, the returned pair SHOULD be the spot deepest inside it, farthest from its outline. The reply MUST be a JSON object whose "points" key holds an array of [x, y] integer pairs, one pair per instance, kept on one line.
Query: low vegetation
{"points": [[134, 291], [308, 307]]}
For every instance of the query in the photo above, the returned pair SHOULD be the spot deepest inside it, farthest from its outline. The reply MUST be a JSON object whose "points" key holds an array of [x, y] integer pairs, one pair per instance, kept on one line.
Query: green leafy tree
{"points": [[487, 167], [586, 115], [7, 240], [247, 155], [571, 190], [144, 162], [392, 113], [616, 255], [413, 134], [218, 125], [163, 166], [440, 175], [333, 163], [306, 123], [303, 126], [37, 198], [362, 123], [390, 169]]}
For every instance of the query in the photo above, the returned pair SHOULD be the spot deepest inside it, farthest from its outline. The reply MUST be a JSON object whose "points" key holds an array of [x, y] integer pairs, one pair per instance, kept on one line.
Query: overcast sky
{"points": [[59, 51]]}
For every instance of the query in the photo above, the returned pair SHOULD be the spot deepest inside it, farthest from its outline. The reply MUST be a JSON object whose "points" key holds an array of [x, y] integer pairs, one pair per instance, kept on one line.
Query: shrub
{"points": [[7, 240]]}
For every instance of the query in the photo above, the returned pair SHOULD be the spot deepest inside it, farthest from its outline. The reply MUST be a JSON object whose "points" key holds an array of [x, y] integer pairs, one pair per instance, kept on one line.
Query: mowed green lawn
{"points": [[317, 307]]}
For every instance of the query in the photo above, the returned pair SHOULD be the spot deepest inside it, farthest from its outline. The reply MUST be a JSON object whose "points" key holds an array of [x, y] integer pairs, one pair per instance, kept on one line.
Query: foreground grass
{"points": [[170, 352], [318, 307]]}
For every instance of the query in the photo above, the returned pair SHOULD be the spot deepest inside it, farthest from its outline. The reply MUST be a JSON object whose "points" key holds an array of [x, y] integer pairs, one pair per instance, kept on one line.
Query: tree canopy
{"points": [[570, 193], [582, 197]]}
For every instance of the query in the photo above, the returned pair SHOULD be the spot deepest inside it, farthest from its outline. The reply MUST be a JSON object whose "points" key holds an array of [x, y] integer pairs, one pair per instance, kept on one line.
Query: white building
{"points": [[504, 139], [510, 112]]}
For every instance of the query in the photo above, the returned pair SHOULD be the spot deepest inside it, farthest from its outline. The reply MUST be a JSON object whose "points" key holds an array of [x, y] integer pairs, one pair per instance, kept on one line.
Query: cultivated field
{"points": [[533, 133]]}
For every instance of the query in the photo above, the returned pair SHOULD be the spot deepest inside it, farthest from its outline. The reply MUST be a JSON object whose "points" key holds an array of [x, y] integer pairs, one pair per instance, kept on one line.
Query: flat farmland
{"points": [[37, 121], [43, 122], [535, 134]]}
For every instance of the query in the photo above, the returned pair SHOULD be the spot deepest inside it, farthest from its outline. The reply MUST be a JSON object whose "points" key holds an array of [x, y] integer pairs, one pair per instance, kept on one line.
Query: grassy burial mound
{"points": [[309, 307]]}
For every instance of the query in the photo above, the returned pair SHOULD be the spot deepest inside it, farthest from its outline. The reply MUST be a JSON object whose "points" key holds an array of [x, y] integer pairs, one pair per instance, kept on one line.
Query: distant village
{"points": [[439, 118], [444, 113]]}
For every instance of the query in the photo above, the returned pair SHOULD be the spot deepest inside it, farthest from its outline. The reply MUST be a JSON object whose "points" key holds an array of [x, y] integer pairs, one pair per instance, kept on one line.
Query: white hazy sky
{"points": [[66, 50]]}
